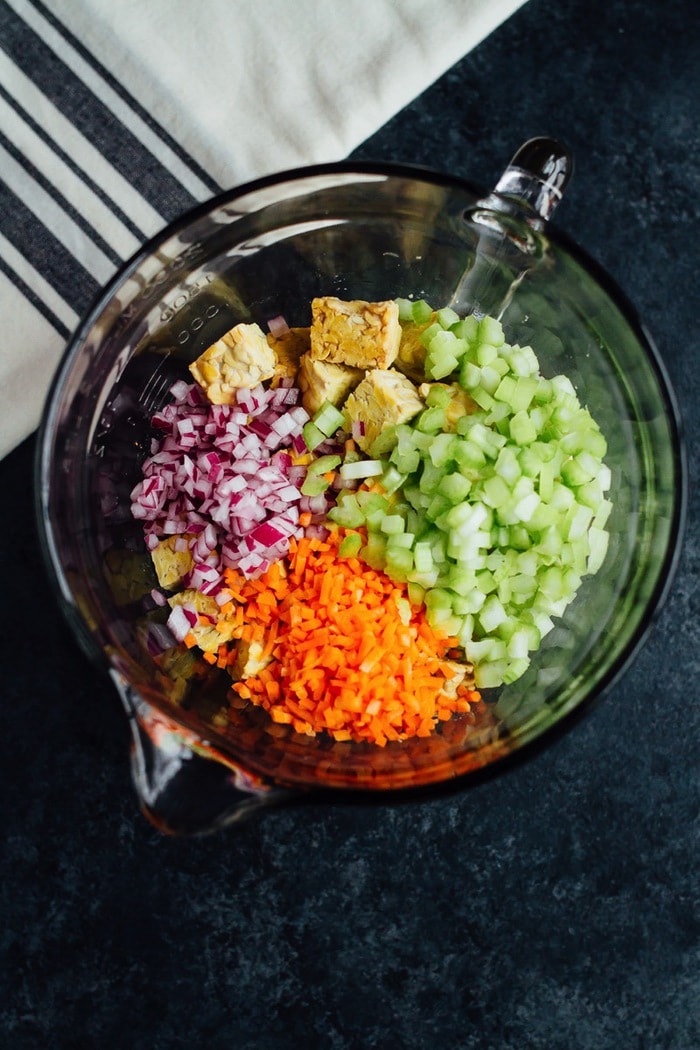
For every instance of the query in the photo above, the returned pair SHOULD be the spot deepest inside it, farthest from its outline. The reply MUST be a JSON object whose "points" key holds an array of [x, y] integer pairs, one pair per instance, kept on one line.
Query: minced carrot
{"points": [[337, 656]]}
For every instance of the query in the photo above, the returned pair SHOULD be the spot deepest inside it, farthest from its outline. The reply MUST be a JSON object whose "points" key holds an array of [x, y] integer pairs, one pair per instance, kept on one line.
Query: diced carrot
{"points": [[337, 656]]}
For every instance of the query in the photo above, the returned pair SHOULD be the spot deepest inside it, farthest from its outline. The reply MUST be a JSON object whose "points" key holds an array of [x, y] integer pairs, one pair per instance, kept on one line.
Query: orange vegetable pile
{"points": [[343, 651]]}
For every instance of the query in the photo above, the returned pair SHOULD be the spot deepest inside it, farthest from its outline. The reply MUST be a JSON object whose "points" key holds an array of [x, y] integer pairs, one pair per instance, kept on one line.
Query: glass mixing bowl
{"points": [[356, 232]]}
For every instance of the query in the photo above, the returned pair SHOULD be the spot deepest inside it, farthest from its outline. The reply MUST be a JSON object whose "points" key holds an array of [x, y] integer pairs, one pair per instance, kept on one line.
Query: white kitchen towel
{"points": [[118, 115]]}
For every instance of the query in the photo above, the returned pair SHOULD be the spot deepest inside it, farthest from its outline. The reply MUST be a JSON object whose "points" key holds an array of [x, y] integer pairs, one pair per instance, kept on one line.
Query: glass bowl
{"points": [[357, 232]]}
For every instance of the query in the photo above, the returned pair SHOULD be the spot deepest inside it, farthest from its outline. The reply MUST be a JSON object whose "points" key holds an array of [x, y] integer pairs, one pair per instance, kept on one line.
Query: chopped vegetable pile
{"points": [[365, 521]]}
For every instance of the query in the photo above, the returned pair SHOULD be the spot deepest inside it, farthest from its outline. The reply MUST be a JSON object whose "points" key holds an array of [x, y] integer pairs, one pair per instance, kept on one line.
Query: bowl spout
{"points": [[184, 787]]}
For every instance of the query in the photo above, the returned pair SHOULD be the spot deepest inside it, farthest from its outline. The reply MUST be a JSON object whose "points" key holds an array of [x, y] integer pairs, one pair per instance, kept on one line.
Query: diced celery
{"points": [[492, 614], [406, 462], [405, 309], [347, 512], [575, 473], [438, 506], [328, 419], [369, 501], [442, 448], [400, 539], [468, 457], [522, 429], [438, 598], [421, 311], [544, 391], [416, 593], [392, 479], [467, 329], [455, 487], [350, 545], [578, 520], [447, 317], [469, 375], [523, 361], [429, 334], [505, 391], [431, 420], [439, 396], [397, 563], [430, 478], [526, 507], [313, 485], [383, 443], [486, 353], [313, 437], [392, 523], [490, 379], [491, 331], [440, 363], [602, 514], [598, 540], [374, 551], [495, 491], [515, 669], [423, 556], [486, 650], [322, 465]]}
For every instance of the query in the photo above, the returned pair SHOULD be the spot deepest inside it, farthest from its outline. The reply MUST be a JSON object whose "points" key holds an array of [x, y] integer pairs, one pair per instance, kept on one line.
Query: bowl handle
{"points": [[509, 223], [184, 787]]}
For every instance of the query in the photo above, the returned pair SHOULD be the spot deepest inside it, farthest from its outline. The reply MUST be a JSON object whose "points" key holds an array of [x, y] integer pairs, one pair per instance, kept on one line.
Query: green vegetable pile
{"points": [[494, 520]]}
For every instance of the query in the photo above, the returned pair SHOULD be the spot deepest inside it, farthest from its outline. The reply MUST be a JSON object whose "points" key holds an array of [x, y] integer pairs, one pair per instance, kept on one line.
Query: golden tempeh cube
{"points": [[241, 358], [355, 333]]}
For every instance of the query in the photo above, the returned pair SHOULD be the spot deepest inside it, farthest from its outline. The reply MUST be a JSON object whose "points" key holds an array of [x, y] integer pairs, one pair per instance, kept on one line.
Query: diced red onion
{"points": [[278, 326]]}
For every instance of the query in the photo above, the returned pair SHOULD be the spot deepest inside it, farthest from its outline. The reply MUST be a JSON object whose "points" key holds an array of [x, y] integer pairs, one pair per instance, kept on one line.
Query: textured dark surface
{"points": [[554, 908]]}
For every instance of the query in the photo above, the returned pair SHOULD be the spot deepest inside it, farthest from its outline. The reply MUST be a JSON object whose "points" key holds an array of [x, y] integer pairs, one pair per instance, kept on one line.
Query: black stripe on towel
{"points": [[60, 200], [45, 253], [162, 134], [70, 163], [91, 117], [36, 301]]}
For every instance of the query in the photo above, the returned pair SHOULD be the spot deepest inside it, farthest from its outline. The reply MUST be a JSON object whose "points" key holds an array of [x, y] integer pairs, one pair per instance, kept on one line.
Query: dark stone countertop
{"points": [[553, 908]]}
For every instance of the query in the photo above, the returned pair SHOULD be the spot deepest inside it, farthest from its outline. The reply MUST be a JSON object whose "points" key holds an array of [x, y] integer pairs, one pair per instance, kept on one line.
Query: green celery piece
{"points": [[422, 311], [491, 331], [429, 334], [467, 329], [423, 556], [313, 437], [405, 309], [372, 501], [392, 479], [313, 485], [347, 511], [383, 443], [439, 364], [447, 317], [416, 593], [431, 420], [392, 524], [400, 540], [522, 429], [322, 465], [438, 396], [350, 545], [328, 419], [455, 487], [469, 375], [442, 449], [406, 462], [486, 354]]}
